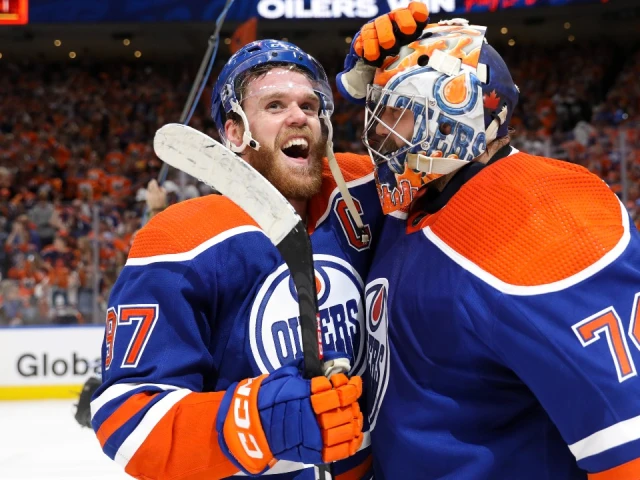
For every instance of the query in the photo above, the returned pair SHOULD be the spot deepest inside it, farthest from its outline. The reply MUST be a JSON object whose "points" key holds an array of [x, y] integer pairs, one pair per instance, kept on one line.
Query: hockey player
{"points": [[503, 308], [201, 358]]}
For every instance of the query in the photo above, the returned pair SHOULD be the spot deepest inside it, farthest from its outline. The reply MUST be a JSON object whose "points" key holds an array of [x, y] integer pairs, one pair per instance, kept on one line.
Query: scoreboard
{"points": [[14, 12], [20, 12]]}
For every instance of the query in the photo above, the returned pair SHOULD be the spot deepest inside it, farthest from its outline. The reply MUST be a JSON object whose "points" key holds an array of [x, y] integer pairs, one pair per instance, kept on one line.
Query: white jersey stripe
{"points": [[191, 254], [521, 290], [610, 437], [120, 389], [132, 443], [284, 466]]}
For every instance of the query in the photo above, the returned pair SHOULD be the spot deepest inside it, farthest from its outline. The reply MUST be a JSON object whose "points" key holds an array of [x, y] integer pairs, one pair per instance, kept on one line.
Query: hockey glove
{"points": [[83, 407], [378, 39], [283, 416]]}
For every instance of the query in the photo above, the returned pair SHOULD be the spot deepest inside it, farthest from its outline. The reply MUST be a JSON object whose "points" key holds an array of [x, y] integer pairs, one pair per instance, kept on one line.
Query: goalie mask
{"points": [[434, 107], [230, 86]]}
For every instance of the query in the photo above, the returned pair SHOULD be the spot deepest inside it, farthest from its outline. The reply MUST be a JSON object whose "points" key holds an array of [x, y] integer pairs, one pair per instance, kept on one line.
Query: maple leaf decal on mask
{"points": [[491, 101]]}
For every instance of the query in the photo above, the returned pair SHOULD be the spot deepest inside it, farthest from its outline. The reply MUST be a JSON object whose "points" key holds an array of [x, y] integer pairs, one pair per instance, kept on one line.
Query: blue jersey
{"points": [[204, 301], [504, 331]]}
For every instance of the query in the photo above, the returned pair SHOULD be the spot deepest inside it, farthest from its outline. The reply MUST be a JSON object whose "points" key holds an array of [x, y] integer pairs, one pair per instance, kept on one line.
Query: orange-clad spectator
{"points": [[546, 111], [117, 186], [83, 137], [114, 160], [96, 174], [59, 276]]}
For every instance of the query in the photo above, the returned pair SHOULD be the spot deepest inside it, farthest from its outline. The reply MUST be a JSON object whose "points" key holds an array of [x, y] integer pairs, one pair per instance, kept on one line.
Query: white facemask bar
{"points": [[372, 119]]}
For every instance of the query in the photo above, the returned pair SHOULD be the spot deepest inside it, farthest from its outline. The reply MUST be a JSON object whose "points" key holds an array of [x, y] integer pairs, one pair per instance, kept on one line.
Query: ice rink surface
{"points": [[41, 440]]}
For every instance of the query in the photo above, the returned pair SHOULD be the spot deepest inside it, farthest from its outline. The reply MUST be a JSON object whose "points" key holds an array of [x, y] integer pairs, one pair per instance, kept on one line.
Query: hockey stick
{"points": [[215, 165], [201, 79], [212, 163]]}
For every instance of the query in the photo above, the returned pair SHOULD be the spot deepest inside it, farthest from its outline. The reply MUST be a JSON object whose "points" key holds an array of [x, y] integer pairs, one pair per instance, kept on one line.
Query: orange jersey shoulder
{"points": [[188, 224], [532, 221], [352, 165]]}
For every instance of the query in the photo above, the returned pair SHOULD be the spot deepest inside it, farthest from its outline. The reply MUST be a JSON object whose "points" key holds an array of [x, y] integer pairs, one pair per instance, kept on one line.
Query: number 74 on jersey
{"points": [[608, 322]]}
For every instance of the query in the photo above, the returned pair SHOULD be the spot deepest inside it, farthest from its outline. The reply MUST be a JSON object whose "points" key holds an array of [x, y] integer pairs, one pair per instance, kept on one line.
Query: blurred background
{"points": [[84, 85]]}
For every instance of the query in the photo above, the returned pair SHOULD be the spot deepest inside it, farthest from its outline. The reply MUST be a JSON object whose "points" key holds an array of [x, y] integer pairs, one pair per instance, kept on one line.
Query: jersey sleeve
{"points": [[155, 412], [576, 345]]}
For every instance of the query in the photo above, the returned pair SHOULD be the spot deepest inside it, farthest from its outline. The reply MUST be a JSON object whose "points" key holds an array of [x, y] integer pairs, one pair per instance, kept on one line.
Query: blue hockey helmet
{"points": [[279, 53]]}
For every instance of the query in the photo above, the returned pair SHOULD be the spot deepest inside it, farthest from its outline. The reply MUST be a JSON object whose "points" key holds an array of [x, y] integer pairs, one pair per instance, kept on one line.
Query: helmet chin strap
{"points": [[438, 165], [342, 186], [492, 129], [247, 139]]}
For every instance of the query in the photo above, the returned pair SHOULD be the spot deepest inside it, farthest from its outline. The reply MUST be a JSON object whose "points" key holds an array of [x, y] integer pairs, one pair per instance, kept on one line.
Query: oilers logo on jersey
{"points": [[376, 299], [274, 324]]}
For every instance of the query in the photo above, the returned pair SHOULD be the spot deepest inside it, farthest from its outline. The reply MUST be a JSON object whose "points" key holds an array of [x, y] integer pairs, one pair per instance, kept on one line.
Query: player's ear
{"points": [[234, 131]]}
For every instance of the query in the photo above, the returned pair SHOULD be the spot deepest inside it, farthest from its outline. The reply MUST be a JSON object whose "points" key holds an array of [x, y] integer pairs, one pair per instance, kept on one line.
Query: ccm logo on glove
{"points": [[243, 431], [243, 420], [284, 416]]}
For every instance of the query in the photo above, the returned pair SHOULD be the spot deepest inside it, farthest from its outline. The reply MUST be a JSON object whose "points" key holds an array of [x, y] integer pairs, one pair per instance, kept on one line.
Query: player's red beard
{"points": [[294, 182]]}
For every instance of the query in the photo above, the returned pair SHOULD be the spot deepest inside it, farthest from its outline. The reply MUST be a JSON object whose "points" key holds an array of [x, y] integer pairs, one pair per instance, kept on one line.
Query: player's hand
{"points": [[283, 416], [378, 39], [156, 196], [384, 35]]}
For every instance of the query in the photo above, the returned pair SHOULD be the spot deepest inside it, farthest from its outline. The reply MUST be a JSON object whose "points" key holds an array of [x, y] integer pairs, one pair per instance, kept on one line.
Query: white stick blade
{"points": [[200, 156]]}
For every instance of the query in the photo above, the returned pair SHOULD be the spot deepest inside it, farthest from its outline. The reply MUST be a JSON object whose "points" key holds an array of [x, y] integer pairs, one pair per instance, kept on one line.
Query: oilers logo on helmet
{"points": [[434, 107], [274, 326], [376, 298]]}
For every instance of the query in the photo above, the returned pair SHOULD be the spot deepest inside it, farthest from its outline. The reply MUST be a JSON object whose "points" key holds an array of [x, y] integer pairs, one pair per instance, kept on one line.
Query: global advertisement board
{"points": [[123, 11], [47, 362]]}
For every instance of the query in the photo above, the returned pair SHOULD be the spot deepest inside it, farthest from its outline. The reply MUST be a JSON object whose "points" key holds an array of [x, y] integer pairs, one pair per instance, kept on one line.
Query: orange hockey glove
{"points": [[377, 40], [283, 416], [385, 34]]}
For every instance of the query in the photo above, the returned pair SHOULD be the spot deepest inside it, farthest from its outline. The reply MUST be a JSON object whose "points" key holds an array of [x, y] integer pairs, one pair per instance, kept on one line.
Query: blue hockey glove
{"points": [[283, 416]]}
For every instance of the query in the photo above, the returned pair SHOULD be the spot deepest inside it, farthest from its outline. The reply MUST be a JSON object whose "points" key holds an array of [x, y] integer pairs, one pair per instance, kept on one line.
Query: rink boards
{"points": [[47, 362]]}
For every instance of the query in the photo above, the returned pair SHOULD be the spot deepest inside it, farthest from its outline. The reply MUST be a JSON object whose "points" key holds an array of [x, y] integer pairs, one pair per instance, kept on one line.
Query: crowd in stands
{"points": [[76, 157]]}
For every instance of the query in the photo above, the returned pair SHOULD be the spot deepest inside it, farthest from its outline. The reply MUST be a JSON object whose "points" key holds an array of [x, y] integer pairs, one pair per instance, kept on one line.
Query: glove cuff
{"points": [[240, 432], [352, 84], [347, 91]]}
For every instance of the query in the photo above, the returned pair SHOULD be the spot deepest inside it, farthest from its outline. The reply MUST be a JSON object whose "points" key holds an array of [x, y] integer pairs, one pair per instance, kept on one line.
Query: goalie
{"points": [[504, 301]]}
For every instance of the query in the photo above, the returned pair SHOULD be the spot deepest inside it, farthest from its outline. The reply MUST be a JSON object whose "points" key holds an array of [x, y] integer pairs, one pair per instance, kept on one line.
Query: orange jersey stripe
{"points": [[356, 473], [531, 220], [183, 226], [626, 471], [184, 443], [128, 409]]}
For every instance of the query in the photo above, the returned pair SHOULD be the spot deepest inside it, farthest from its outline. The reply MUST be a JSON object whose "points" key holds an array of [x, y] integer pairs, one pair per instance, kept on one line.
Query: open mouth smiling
{"points": [[296, 148]]}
